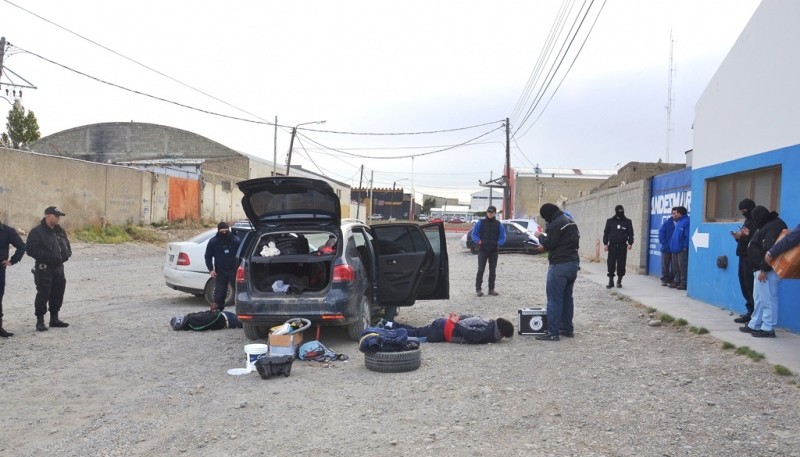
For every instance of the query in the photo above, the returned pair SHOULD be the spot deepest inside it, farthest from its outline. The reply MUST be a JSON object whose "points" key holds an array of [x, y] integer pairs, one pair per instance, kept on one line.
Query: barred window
{"points": [[724, 193]]}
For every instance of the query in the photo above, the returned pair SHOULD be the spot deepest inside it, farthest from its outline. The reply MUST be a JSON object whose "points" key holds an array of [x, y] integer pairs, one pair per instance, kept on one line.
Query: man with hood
{"points": [[767, 226], [221, 262], [618, 240], [742, 237], [560, 240], [679, 246], [461, 329], [49, 246]]}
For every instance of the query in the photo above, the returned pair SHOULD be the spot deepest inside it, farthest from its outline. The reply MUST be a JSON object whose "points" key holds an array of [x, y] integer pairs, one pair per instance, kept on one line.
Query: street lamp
{"points": [[291, 143], [391, 207]]}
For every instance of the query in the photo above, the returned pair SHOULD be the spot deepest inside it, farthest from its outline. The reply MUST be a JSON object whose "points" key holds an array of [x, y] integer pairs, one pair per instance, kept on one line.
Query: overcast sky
{"points": [[384, 67]]}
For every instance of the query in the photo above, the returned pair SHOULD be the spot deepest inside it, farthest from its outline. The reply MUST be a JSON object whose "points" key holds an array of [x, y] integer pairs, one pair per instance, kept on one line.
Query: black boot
{"points": [[3, 333], [40, 327], [610, 282], [54, 322], [619, 283]]}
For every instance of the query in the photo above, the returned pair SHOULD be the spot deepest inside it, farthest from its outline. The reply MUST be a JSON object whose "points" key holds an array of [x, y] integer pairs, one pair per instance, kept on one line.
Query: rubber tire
{"points": [[393, 362], [474, 249], [209, 293], [255, 332], [355, 329]]}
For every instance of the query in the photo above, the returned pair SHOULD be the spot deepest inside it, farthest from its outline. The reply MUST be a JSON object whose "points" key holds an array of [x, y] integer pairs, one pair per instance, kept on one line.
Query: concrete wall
{"points": [[85, 191], [530, 193], [592, 211], [221, 199]]}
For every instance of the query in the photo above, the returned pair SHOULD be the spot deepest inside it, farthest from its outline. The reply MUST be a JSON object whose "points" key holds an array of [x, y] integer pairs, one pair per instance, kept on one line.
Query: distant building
{"points": [[533, 187]]}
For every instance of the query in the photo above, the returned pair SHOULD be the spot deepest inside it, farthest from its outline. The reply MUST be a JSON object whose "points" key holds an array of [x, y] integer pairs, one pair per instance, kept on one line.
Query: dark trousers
{"points": [[617, 256], [2, 288], [746, 281], [50, 286], [483, 256], [666, 267], [433, 333], [221, 287], [680, 265]]}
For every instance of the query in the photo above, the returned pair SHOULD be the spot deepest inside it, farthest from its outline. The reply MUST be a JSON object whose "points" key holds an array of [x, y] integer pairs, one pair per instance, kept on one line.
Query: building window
{"points": [[724, 193], [226, 186]]}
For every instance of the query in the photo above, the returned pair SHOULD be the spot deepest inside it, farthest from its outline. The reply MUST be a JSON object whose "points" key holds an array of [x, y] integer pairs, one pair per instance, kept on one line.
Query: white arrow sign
{"points": [[700, 240]]}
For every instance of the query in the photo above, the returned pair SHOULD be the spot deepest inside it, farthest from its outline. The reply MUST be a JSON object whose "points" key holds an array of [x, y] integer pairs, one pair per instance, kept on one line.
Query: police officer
{"points": [[618, 240], [49, 246], [221, 262], [8, 236]]}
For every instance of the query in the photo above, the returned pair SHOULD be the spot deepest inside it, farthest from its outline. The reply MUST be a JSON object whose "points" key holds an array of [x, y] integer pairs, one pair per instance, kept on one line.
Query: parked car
{"points": [[330, 272], [456, 220], [185, 264], [423, 217], [436, 220], [528, 224], [517, 239], [376, 217]]}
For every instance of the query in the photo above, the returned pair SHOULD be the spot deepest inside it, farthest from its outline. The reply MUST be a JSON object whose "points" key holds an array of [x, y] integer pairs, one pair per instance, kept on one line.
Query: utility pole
{"points": [[291, 145], [275, 149], [669, 97], [358, 202], [507, 175]]}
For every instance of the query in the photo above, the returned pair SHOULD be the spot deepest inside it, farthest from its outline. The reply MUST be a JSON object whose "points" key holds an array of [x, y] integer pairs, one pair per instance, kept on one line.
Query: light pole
{"points": [[291, 143], [391, 207]]}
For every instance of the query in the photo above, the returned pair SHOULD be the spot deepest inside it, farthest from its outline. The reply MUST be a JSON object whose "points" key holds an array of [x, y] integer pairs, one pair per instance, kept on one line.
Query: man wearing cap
{"points": [[221, 262], [488, 234], [8, 237], [50, 248]]}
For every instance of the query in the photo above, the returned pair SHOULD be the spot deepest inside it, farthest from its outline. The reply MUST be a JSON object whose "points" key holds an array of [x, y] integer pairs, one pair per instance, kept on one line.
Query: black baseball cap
{"points": [[491, 209], [54, 210]]}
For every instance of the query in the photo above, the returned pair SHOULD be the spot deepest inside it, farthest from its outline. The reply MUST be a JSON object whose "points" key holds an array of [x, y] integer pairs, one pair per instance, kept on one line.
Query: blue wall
{"points": [[707, 282], [666, 191]]}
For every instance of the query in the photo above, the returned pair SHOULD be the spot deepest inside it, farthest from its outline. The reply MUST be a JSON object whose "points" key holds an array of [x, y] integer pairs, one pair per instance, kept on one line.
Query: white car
{"points": [[528, 224], [185, 265]]}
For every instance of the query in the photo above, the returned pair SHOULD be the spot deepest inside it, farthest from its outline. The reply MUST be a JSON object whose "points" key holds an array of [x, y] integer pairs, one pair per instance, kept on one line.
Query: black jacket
{"points": [[618, 230], [9, 236], [744, 240], [49, 246], [763, 240], [562, 240]]}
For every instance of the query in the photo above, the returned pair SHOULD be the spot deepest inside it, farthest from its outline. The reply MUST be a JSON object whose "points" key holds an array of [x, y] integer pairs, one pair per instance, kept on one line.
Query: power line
{"points": [[402, 133]]}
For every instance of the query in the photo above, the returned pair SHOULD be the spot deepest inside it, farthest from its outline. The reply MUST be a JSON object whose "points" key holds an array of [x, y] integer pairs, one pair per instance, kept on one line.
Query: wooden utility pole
{"points": [[507, 175]]}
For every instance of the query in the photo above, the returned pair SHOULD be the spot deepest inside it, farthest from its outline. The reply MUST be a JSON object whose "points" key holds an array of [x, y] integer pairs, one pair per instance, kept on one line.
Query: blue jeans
{"points": [[560, 305], [765, 296]]}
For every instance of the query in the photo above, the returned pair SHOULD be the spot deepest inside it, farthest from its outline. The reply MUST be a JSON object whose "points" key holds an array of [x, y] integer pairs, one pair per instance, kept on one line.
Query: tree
{"points": [[22, 128], [427, 204]]}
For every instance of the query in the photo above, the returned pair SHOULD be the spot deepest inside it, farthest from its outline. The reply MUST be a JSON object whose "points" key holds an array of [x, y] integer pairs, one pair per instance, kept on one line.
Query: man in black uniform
{"points": [[49, 246], [746, 279], [221, 262], [488, 234], [8, 236], [618, 240]]}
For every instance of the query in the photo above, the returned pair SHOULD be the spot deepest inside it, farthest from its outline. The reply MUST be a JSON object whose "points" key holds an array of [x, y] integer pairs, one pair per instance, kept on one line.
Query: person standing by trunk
{"points": [[221, 262], [8, 237], [679, 246], [742, 237], [49, 246], [488, 234], [618, 240]]}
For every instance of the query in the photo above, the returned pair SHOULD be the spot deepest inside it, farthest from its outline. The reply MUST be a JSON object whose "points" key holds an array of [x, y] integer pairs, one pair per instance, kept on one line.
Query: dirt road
{"points": [[119, 381]]}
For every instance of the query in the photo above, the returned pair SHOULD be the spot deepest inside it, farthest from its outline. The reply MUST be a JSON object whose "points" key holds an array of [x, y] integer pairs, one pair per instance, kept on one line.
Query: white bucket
{"points": [[253, 351]]}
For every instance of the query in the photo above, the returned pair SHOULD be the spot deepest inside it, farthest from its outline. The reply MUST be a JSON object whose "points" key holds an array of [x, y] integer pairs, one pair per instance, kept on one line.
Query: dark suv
{"points": [[331, 272]]}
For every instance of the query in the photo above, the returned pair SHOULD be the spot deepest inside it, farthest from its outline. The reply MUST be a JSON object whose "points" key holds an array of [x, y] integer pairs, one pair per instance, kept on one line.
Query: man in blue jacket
{"points": [[488, 234], [221, 262], [664, 237], [679, 246], [8, 237]]}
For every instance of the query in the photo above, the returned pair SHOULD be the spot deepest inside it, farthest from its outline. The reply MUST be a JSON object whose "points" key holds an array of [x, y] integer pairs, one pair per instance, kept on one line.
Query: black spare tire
{"points": [[393, 362]]}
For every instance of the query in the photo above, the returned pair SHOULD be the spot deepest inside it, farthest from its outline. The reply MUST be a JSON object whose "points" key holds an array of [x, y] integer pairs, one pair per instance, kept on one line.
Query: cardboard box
{"points": [[787, 265], [532, 321], [285, 344]]}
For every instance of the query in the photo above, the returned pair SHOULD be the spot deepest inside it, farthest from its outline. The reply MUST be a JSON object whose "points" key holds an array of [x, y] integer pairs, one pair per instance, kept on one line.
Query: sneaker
{"points": [[40, 327], [747, 329], [664, 283], [763, 334], [673, 285], [479, 293], [493, 293], [566, 334], [547, 337], [742, 319], [381, 323], [681, 288]]}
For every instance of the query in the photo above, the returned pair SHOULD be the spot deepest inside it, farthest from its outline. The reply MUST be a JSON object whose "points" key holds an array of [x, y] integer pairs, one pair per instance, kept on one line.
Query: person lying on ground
{"points": [[462, 329], [205, 320]]}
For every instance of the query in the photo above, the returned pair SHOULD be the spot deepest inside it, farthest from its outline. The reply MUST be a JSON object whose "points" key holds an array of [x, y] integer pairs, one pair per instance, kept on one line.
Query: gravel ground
{"points": [[120, 382]]}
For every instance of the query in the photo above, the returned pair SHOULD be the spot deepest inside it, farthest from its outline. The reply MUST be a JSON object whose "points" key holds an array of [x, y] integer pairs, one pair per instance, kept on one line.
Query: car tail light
{"points": [[240, 275], [183, 259], [344, 273]]}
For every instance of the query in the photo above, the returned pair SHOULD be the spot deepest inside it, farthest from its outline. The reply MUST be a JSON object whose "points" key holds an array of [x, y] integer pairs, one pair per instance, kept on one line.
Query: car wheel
{"points": [[393, 362], [209, 293], [364, 319], [474, 249], [255, 332]]}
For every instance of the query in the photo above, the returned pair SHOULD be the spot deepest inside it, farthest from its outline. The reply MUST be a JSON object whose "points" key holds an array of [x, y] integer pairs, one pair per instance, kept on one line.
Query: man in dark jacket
{"points": [[488, 234], [50, 248], [679, 246], [221, 262], [8, 237], [664, 237], [618, 240], [742, 237], [461, 329], [765, 285], [560, 240]]}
